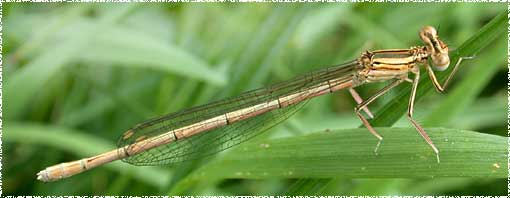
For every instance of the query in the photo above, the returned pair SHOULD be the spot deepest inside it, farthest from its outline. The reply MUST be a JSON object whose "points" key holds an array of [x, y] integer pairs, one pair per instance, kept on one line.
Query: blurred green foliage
{"points": [[78, 75]]}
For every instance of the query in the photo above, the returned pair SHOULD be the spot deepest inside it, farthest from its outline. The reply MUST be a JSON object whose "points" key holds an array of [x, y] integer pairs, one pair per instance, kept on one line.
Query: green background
{"points": [[76, 76]]}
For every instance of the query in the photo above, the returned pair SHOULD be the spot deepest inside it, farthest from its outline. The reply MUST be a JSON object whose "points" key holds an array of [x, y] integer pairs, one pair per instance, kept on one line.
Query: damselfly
{"points": [[210, 128]]}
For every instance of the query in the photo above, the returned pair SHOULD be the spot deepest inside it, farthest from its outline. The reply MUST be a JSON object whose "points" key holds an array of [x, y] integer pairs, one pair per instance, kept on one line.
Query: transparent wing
{"points": [[209, 142]]}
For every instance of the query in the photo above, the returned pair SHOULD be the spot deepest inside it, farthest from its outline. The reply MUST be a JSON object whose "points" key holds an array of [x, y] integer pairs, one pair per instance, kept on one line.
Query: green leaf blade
{"points": [[348, 153], [131, 49]]}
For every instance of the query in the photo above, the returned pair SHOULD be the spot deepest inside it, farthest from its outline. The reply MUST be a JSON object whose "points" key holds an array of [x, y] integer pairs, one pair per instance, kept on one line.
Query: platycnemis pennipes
{"points": [[210, 128]]}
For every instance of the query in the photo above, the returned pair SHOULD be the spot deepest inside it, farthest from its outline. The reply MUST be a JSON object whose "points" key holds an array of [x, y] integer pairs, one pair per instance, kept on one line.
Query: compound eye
{"points": [[440, 62]]}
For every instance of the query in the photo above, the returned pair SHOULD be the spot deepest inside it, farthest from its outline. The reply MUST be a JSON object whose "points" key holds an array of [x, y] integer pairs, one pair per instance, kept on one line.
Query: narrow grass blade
{"points": [[22, 85]]}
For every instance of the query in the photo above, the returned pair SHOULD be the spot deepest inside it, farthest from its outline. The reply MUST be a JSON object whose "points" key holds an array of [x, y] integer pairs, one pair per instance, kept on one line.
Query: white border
{"points": [[273, 1], [1, 93], [508, 72], [508, 99]]}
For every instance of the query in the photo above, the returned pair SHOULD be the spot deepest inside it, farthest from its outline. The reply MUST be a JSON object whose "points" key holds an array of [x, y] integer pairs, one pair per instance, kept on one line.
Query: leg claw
{"points": [[377, 147]]}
